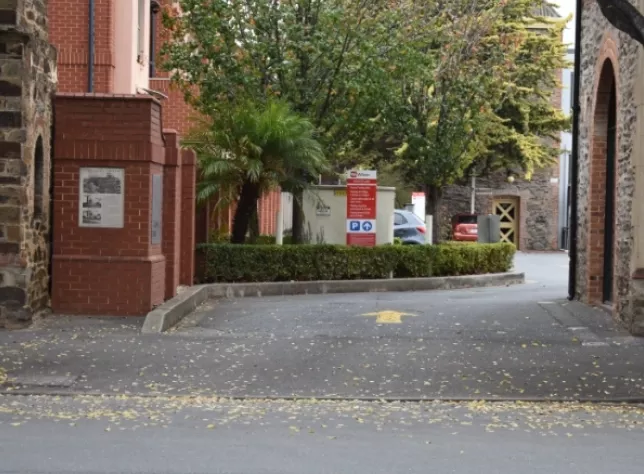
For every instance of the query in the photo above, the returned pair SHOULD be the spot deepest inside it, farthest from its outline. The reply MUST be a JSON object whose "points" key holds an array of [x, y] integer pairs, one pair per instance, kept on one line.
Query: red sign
{"points": [[362, 189]]}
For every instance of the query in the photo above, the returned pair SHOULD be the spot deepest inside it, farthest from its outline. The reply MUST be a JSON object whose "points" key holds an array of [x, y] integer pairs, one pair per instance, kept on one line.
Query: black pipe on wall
{"points": [[574, 174], [154, 10], [90, 56]]}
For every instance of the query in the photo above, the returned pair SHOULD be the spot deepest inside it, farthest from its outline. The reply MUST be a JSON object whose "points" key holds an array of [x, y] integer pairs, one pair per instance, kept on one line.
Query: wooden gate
{"points": [[508, 210]]}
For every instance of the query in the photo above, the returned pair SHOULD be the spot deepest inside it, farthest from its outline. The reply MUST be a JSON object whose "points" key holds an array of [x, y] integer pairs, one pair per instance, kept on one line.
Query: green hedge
{"points": [[255, 263]]}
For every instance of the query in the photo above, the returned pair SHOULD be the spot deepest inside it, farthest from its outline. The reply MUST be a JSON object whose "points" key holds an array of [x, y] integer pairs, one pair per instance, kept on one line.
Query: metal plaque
{"points": [[101, 197], [157, 207]]}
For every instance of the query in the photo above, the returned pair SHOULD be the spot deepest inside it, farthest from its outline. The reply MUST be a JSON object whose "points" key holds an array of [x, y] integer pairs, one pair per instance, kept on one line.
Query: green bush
{"points": [[255, 263], [223, 237]]}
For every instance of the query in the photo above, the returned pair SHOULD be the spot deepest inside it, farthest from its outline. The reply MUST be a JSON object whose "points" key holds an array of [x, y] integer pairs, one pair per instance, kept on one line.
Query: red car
{"points": [[465, 227]]}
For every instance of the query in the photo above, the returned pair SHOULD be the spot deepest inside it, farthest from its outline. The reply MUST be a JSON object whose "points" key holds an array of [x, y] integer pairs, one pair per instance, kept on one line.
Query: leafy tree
{"points": [[446, 79], [475, 91], [249, 149], [323, 57], [521, 132]]}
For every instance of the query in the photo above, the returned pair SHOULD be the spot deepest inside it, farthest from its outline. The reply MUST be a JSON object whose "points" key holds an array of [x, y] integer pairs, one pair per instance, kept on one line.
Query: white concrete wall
{"points": [[130, 71], [287, 211], [332, 229]]}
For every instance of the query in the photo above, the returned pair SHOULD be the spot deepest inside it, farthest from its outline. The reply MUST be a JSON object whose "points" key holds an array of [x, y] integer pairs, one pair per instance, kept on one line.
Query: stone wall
{"points": [[27, 81], [538, 205], [601, 42]]}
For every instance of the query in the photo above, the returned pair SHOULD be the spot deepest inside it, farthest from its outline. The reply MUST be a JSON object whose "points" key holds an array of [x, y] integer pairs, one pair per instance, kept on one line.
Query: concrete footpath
{"points": [[520, 342]]}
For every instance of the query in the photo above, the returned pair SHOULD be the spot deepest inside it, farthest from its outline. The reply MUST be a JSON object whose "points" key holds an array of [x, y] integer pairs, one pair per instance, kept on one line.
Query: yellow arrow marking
{"points": [[388, 317]]}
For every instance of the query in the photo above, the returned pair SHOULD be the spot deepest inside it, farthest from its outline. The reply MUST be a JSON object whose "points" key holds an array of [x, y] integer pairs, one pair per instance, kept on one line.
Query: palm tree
{"points": [[250, 149]]}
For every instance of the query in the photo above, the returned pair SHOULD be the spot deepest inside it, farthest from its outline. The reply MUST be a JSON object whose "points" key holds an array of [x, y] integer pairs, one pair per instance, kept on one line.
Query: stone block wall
{"points": [[600, 43], [27, 82], [538, 205]]}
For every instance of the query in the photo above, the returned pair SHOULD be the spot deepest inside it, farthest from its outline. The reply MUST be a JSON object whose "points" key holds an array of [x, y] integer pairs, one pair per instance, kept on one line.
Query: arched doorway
{"points": [[603, 190]]}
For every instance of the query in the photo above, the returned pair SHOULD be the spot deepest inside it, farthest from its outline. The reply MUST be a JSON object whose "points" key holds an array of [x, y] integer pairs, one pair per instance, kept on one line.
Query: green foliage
{"points": [[469, 259], [255, 263], [472, 91], [260, 143], [270, 240], [436, 89], [522, 129], [249, 149], [323, 57]]}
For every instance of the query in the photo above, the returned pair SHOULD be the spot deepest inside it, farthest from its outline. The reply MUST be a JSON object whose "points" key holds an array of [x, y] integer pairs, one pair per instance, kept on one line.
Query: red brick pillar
{"points": [[188, 202], [172, 212], [104, 261]]}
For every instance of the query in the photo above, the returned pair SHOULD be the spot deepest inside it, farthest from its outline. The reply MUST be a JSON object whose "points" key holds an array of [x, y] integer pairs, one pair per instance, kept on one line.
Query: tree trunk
{"points": [[246, 206], [433, 201], [298, 218], [253, 227]]}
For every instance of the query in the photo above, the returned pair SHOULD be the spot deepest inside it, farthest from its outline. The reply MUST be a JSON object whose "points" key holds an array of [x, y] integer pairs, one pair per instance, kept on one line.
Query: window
{"points": [[414, 219], [140, 34], [399, 219], [466, 219], [39, 179]]}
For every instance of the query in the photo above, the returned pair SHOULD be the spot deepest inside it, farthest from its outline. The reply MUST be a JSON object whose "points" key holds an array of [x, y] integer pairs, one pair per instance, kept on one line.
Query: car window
{"points": [[467, 219], [414, 219], [399, 219]]}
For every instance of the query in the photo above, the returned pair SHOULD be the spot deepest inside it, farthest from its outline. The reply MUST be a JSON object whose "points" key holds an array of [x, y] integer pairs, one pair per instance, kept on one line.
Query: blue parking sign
{"points": [[354, 225]]}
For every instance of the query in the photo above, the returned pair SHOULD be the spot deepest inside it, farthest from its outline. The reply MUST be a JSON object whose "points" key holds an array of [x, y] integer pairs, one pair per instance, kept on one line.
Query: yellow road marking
{"points": [[388, 317]]}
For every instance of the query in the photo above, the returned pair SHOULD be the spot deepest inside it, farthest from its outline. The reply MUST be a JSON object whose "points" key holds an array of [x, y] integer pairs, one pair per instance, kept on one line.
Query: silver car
{"points": [[409, 227]]}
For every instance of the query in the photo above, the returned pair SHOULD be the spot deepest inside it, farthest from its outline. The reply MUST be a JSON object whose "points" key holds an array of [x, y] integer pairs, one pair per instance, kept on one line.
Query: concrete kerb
{"points": [[172, 311], [168, 314]]}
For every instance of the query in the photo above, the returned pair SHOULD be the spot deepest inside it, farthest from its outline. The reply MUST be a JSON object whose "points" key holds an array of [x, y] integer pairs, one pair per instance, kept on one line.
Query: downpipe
{"points": [[574, 172], [90, 51]]}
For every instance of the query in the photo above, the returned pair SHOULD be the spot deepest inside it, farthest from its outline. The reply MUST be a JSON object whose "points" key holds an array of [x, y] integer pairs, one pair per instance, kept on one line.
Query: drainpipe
{"points": [[155, 8], [574, 166], [90, 40]]}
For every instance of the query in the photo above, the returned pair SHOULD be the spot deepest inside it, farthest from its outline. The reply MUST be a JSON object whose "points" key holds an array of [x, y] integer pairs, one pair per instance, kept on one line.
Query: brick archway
{"points": [[601, 243]]}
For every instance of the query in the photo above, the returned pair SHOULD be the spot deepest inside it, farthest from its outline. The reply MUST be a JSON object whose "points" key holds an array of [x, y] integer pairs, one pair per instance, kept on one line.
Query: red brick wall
{"points": [[268, 207], [177, 114], [106, 271], [598, 187], [172, 213], [188, 190], [606, 74], [68, 26]]}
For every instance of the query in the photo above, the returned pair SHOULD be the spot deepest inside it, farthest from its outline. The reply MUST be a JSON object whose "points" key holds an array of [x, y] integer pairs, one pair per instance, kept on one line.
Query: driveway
{"points": [[520, 342]]}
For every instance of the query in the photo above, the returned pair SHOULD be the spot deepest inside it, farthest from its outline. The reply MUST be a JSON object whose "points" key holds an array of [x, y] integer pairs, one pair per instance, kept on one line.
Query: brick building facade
{"points": [[610, 236], [131, 266], [109, 120], [27, 82], [128, 36], [529, 210]]}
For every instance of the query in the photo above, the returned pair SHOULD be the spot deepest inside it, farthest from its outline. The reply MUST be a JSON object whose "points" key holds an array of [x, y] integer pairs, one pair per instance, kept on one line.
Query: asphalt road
{"points": [[520, 342], [131, 435], [158, 410]]}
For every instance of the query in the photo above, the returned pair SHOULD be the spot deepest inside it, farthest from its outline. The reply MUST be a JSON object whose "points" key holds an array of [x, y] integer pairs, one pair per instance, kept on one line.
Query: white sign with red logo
{"points": [[362, 187], [418, 201]]}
